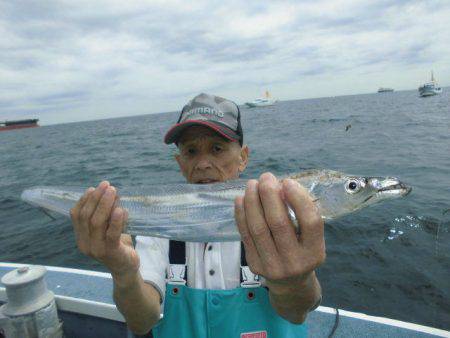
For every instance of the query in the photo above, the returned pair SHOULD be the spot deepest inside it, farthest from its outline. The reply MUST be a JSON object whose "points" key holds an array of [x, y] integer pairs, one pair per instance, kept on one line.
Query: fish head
{"points": [[364, 191], [338, 194]]}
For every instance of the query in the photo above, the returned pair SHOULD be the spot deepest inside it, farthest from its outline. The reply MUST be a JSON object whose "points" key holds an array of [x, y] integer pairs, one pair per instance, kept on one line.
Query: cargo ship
{"points": [[18, 124], [385, 90]]}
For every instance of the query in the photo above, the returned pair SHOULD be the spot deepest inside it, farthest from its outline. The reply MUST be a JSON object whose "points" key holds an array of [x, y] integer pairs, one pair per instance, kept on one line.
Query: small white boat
{"points": [[265, 101], [430, 88]]}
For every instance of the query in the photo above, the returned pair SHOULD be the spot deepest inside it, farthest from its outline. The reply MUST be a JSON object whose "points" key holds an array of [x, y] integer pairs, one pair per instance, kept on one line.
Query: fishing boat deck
{"points": [[86, 307]]}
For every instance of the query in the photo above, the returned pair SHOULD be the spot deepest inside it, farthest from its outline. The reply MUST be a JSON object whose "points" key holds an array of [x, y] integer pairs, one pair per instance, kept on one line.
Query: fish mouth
{"points": [[398, 188]]}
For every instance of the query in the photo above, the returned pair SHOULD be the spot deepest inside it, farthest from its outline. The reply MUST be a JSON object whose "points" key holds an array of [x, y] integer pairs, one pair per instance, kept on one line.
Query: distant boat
{"points": [[385, 90], [265, 101], [430, 88], [18, 124]]}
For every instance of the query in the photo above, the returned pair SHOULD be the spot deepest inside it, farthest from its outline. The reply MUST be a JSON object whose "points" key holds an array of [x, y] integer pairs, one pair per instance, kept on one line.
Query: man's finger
{"points": [[306, 212], [116, 225], [276, 215], [75, 211], [115, 205], [251, 254], [81, 229], [102, 214], [88, 209], [256, 223]]}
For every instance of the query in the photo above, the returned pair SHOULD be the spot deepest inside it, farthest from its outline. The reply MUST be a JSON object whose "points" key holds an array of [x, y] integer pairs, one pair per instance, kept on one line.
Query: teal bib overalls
{"points": [[244, 312]]}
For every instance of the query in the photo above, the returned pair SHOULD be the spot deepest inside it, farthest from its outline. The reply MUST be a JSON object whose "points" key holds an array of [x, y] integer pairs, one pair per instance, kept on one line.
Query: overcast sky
{"points": [[64, 61]]}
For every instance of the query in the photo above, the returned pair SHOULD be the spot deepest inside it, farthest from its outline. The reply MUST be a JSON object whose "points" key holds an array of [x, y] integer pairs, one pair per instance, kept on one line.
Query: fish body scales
{"points": [[205, 212]]}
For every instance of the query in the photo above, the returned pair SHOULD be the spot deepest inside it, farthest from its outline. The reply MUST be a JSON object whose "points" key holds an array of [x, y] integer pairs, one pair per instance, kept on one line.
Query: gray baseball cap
{"points": [[217, 113]]}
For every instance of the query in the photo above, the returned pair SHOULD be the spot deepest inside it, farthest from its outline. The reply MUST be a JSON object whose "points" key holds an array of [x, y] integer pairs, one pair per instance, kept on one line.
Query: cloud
{"points": [[68, 61]]}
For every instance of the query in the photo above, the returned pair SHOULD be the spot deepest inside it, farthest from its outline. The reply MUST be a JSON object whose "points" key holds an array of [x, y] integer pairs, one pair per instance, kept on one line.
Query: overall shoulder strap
{"points": [[243, 260], [177, 252], [248, 278], [177, 271]]}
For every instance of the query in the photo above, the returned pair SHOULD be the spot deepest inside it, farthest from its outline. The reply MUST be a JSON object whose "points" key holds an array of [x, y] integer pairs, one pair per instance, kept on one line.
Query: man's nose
{"points": [[203, 163]]}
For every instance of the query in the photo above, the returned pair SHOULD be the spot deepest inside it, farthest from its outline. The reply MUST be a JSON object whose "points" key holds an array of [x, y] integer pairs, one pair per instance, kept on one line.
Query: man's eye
{"points": [[217, 148], [190, 151]]}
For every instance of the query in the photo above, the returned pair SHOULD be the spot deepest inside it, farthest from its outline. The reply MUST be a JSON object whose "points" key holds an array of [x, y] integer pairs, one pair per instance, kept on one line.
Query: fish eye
{"points": [[352, 186]]}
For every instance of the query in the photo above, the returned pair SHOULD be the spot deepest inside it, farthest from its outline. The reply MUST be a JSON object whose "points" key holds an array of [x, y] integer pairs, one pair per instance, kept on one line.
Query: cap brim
{"points": [[174, 133]]}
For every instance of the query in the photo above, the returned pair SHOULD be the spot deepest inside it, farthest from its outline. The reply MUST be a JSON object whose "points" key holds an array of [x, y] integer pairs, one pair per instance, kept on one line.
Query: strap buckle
{"points": [[176, 273], [249, 279]]}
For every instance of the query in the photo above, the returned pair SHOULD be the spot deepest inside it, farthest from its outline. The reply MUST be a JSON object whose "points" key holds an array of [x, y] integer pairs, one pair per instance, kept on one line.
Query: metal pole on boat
{"points": [[31, 308]]}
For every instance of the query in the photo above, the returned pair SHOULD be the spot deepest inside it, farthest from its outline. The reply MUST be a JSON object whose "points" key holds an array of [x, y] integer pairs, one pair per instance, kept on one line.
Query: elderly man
{"points": [[217, 295]]}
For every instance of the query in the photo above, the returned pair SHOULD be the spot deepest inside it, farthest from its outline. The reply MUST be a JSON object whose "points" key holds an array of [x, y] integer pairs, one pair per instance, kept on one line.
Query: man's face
{"points": [[206, 157]]}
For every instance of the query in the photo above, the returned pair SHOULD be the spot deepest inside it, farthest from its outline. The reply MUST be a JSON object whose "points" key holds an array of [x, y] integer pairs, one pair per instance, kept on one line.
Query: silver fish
{"points": [[205, 212]]}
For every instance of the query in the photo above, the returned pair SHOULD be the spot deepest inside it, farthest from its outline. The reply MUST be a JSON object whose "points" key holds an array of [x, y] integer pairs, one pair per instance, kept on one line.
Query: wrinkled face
{"points": [[207, 157]]}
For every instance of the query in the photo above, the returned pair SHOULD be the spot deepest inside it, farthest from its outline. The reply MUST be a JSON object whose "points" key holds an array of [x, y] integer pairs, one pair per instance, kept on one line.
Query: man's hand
{"points": [[98, 224], [272, 247]]}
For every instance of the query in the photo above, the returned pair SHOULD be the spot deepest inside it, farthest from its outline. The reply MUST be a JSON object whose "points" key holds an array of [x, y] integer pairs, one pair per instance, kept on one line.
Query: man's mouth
{"points": [[206, 181]]}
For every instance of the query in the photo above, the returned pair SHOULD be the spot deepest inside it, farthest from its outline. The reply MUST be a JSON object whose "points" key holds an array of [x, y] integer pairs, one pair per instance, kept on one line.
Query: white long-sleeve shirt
{"points": [[214, 266]]}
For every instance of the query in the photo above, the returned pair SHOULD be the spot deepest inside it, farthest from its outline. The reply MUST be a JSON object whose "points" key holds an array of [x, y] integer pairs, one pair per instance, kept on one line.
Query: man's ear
{"points": [[243, 158]]}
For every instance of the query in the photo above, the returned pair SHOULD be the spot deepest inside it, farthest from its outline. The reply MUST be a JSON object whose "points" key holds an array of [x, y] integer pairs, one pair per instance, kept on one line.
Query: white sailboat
{"points": [[267, 100], [430, 88]]}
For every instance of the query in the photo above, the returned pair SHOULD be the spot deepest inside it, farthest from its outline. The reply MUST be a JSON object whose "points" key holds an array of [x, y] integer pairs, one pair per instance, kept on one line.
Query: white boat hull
{"points": [[253, 105], [85, 305], [425, 93]]}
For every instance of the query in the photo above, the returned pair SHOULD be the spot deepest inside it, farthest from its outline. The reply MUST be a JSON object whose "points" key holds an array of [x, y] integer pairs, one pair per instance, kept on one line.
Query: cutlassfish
{"points": [[205, 212]]}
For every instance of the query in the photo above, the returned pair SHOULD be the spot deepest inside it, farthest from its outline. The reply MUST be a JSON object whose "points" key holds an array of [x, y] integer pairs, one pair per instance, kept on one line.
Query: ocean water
{"points": [[389, 260]]}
